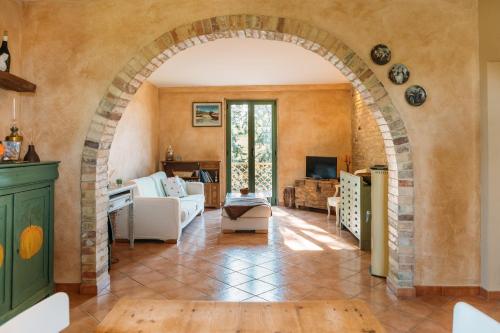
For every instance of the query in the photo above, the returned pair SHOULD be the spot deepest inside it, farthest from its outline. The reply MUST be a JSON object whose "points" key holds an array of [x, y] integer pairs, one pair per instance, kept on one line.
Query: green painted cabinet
{"points": [[6, 205], [26, 235]]}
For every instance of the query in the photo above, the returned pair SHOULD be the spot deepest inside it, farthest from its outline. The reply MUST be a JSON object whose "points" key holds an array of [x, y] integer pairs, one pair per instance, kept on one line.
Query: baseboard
{"points": [[73, 288], [88, 289], [400, 292], [121, 240], [447, 290], [489, 295]]}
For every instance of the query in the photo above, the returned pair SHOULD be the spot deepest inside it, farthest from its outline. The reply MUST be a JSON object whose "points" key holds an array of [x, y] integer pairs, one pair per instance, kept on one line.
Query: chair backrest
{"points": [[337, 191], [468, 319], [146, 187], [49, 316]]}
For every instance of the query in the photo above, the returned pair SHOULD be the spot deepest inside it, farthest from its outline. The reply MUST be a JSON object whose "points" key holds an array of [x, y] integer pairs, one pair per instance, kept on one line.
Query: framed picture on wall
{"points": [[207, 114]]}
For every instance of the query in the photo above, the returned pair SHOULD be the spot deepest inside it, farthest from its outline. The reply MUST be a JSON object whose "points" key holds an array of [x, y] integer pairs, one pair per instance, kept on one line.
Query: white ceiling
{"points": [[235, 61]]}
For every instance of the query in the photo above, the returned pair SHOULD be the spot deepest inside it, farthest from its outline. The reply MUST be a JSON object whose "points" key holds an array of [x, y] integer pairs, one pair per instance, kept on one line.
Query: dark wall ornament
{"points": [[415, 95], [381, 54], [399, 74]]}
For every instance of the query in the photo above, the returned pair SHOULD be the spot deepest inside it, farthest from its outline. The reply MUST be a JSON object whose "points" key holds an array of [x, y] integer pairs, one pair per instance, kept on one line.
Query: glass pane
{"points": [[264, 148], [239, 147]]}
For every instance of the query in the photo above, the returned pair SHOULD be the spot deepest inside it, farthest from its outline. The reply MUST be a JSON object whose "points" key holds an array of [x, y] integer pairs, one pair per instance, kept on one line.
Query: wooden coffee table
{"points": [[132, 315]]}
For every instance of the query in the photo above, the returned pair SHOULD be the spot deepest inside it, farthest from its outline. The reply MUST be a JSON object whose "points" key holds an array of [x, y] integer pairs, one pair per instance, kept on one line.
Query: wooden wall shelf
{"points": [[9, 81]]}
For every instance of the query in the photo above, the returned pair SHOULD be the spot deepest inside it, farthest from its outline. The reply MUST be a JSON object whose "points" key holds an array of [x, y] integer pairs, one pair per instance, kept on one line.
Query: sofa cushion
{"points": [[183, 184], [173, 187], [188, 209], [157, 178], [145, 187], [194, 197]]}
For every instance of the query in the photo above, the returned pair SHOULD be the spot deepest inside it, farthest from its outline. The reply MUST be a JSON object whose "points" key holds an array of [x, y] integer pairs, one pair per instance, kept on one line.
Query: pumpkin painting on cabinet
{"points": [[30, 241]]}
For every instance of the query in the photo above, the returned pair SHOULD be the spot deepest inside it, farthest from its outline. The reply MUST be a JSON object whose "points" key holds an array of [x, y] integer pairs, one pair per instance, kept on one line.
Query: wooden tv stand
{"points": [[313, 193]]}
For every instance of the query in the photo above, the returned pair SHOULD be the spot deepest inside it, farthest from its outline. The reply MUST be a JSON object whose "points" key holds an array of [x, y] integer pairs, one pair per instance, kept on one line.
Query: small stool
{"points": [[289, 196]]}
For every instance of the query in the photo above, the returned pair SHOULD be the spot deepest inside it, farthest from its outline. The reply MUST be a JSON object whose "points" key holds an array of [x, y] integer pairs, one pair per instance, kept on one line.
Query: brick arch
{"points": [[101, 132]]}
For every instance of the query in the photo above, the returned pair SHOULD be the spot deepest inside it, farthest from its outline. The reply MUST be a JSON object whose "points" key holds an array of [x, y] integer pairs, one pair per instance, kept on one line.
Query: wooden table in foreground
{"points": [[132, 315]]}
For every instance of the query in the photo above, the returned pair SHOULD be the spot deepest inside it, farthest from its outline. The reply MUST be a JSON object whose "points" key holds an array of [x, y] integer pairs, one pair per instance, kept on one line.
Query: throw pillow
{"points": [[173, 187], [183, 184]]}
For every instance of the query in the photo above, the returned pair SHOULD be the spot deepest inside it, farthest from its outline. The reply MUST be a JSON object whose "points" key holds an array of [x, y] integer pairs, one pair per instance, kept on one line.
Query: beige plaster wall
{"points": [[489, 46], [312, 120], [134, 152], [11, 20], [73, 49]]}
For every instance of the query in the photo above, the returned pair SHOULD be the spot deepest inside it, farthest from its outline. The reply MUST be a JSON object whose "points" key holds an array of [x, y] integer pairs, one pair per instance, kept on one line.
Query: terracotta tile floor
{"points": [[303, 257]]}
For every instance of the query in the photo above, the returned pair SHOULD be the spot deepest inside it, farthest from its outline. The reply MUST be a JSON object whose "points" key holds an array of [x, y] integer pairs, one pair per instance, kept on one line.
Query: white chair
{"points": [[49, 316], [468, 319], [335, 202]]}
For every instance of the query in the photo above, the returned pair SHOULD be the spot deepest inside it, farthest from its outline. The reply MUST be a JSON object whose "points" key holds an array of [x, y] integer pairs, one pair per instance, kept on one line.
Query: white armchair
{"points": [[157, 216]]}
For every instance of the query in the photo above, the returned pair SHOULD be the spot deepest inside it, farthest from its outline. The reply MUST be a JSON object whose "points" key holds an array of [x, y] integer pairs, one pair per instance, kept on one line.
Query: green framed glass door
{"points": [[251, 147]]}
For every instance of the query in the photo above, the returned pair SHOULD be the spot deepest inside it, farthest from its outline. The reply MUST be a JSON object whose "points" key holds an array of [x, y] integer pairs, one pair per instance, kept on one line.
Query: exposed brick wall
{"points": [[367, 142]]}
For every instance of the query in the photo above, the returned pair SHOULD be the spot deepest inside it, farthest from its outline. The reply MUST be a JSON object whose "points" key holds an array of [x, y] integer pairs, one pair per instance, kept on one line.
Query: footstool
{"points": [[250, 212]]}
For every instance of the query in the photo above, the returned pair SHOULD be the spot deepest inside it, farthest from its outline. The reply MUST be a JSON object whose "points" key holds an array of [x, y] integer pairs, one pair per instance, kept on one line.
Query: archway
{"points": [[94, 178]]}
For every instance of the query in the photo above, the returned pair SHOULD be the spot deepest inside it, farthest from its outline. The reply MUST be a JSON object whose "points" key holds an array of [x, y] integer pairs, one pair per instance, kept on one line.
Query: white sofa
{"points": [[157, 216]]}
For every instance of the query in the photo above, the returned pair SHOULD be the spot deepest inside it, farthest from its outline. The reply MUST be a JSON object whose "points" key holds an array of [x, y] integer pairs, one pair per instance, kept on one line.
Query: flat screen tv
{"points": [[321, 167]]}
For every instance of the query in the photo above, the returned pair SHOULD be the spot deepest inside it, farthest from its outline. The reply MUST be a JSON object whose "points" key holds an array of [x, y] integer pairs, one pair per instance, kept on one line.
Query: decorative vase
{"points": [[12, 144], [31, 155], [170, 153]]}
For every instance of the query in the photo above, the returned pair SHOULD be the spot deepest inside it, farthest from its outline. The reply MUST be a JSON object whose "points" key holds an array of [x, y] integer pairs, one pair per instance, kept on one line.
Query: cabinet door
{"points": [[215, 195], [31, 257], [208, 194], [6, 203]]}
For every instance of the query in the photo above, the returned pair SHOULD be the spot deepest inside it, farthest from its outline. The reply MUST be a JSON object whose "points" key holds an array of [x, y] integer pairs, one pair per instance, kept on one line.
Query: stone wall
{"points": [[367, 142]]}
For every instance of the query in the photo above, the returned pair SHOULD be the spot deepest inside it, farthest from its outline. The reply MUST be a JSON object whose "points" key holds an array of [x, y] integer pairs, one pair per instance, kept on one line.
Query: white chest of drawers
{"points": [[355, 202]]}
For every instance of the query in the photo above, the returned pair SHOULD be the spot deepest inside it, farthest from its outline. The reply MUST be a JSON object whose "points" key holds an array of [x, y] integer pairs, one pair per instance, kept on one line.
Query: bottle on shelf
{"points": [[13, 143], [4, 53]]}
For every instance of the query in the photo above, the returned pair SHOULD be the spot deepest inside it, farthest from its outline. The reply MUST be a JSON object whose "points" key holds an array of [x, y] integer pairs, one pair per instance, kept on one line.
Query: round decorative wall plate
{"points": [[415, 95], [381, 54], [399, 74]]}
